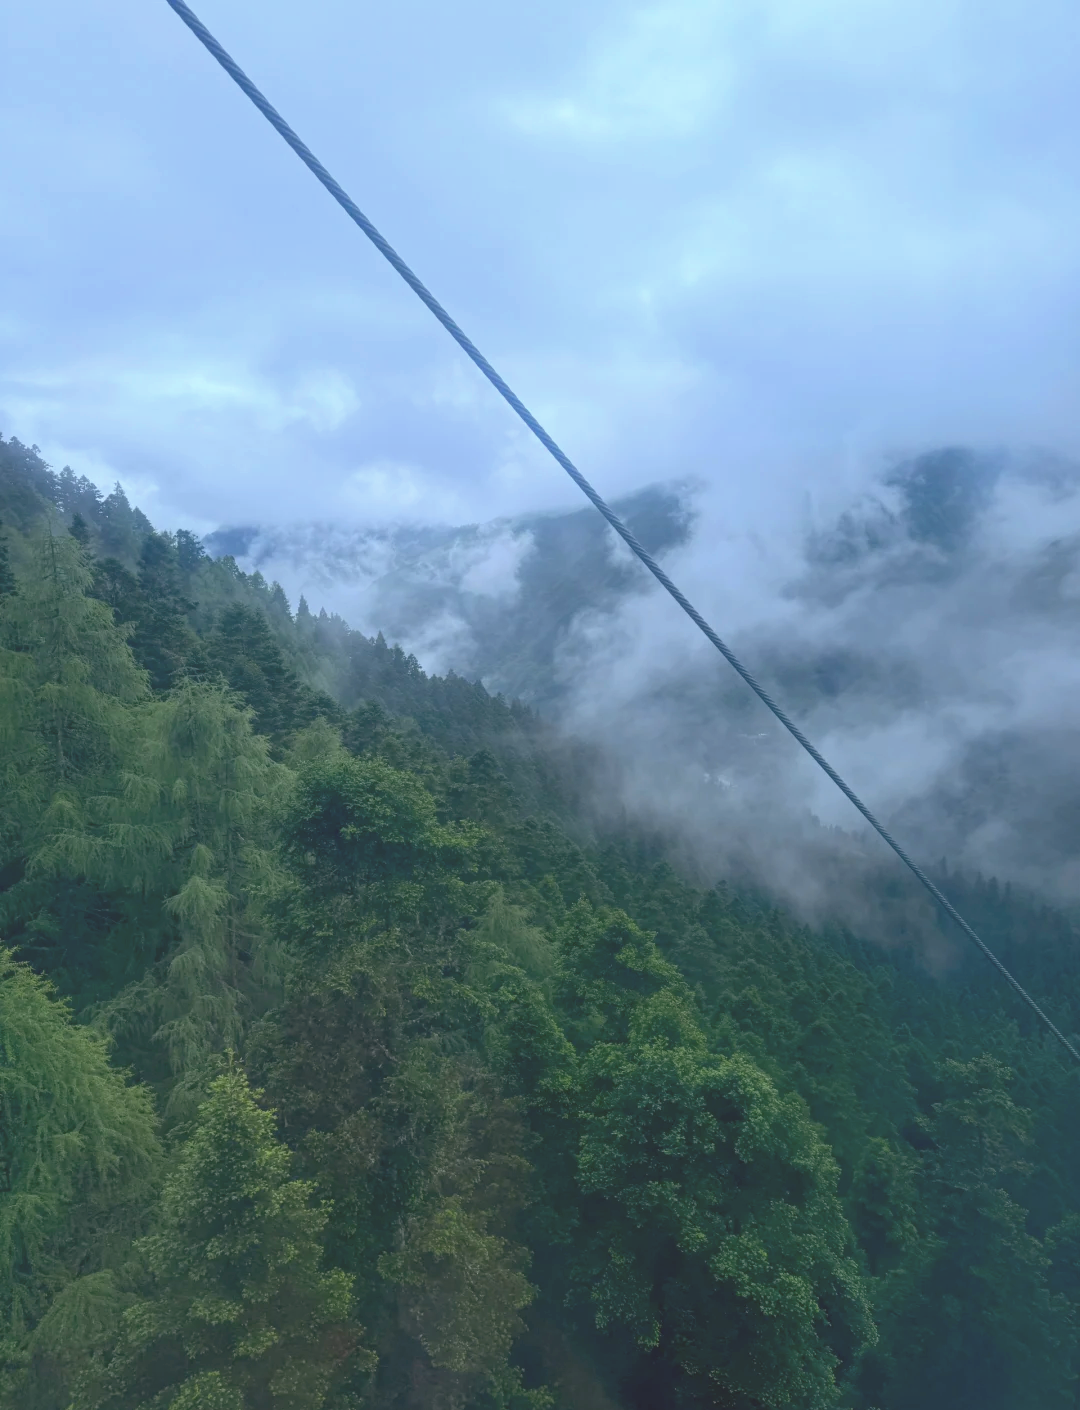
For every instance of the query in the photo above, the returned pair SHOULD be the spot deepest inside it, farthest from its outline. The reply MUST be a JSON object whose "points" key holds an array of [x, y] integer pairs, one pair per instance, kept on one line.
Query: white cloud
{"points": [[494, 570], [744, 242], [663, 74], [384, 487]]}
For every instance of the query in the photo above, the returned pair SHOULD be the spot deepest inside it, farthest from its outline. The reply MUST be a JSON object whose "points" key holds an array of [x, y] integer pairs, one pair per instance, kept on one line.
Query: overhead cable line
{"points": [[426, 297]]}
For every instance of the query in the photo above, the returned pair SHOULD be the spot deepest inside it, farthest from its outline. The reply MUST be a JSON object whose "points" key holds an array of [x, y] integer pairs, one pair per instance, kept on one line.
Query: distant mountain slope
{"points": [[191, 614], [492, 600], [925, 636]]}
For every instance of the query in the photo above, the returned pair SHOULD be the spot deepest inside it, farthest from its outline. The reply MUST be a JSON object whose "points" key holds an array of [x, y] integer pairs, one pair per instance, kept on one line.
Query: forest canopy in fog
{"points": [[352, 1055]]}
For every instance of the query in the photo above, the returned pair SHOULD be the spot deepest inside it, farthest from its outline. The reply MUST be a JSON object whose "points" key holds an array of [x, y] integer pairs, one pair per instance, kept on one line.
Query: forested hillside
{"points": [[345, 1063], [928, 613]]}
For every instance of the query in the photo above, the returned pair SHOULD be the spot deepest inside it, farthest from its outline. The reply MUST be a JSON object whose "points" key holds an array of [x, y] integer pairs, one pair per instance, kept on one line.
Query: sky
{"points": [[766, 245]]}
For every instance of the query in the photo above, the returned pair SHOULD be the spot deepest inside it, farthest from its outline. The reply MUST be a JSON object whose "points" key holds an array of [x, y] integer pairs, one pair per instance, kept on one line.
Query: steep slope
{"points": [[462, 1101]]}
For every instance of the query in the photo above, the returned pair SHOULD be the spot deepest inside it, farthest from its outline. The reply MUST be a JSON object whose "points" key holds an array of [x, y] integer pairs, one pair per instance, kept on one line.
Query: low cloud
{"points": [[924, 638]]}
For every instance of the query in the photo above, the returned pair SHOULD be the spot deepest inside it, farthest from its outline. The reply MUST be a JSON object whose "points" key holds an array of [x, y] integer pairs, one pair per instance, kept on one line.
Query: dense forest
{"points": [[345, 1063]]}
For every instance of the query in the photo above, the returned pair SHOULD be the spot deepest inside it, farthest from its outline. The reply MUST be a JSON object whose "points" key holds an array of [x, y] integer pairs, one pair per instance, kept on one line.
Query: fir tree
{"points": [[119, 530], [216, 786], [78, 1147], [190, 554], [240, 1313], [163, 642], [7, 576], [116, 585], [75, 670], [69, 689], [75, 494], [998, 1336], [244, 650], [69, 697], [191, 846]]}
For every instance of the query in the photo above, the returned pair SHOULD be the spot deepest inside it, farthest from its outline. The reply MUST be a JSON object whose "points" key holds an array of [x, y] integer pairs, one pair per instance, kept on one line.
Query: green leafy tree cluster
{"points": [[238, 1312], [554, 1126], [710, 1223], [78, 1155]]}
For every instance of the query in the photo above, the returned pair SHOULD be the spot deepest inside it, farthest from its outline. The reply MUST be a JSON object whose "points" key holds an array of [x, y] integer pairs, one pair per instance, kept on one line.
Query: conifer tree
{"points": [[68, 671], [117, 585], [69, 696], [998, 1336], [422, 1154], [7, 576], [163, 642], [120, 531], [78, 1148], [158, 807], [239, 1313], [244, 651], [711, 1229], [190, 554], [155, 607], [204, 805], [75, 494]]}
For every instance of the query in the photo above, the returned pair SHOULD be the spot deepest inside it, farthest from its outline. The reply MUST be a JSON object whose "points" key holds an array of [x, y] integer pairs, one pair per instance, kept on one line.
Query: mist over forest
{"points": [[429, 978], [374, 1036], [921, 630]]}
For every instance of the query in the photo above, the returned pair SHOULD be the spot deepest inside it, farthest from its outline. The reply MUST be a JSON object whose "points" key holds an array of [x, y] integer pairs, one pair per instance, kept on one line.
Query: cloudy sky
{"points": [[761, 243]]}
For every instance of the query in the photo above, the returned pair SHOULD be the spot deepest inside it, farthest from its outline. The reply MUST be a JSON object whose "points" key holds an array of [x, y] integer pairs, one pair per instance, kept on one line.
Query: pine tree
{"points": [[190, 554], [215, 788], [133, 831], [116, 585], [78, 1147], [156, 609], [244, 650], [75, 494], [74, 670], [996, 1335], [163, 642], [119, 530], [69, 720], [7, 576], [240, 1314]]}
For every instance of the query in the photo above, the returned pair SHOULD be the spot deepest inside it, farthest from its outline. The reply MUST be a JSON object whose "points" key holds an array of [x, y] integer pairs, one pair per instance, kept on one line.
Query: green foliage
{"points": [[555, 1126], [360, 828], [70, 694], [996, 1335], [78, 1149], [153, 605], [7, 576], [244, 650], [208, 786], [240, 1312], [66, 673], [711, 1226]]}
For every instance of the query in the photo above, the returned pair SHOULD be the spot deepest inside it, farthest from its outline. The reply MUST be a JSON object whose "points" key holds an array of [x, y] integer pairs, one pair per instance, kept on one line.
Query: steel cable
{"points": [[423, 293]]}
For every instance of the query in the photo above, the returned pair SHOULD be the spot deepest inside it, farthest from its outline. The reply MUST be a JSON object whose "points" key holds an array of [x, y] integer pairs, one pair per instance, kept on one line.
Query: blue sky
{"points": [[762, 244]]}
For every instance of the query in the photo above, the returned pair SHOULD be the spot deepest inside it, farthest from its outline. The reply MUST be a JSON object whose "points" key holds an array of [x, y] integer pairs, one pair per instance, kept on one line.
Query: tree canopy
{"points": [[344, 1063]]}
